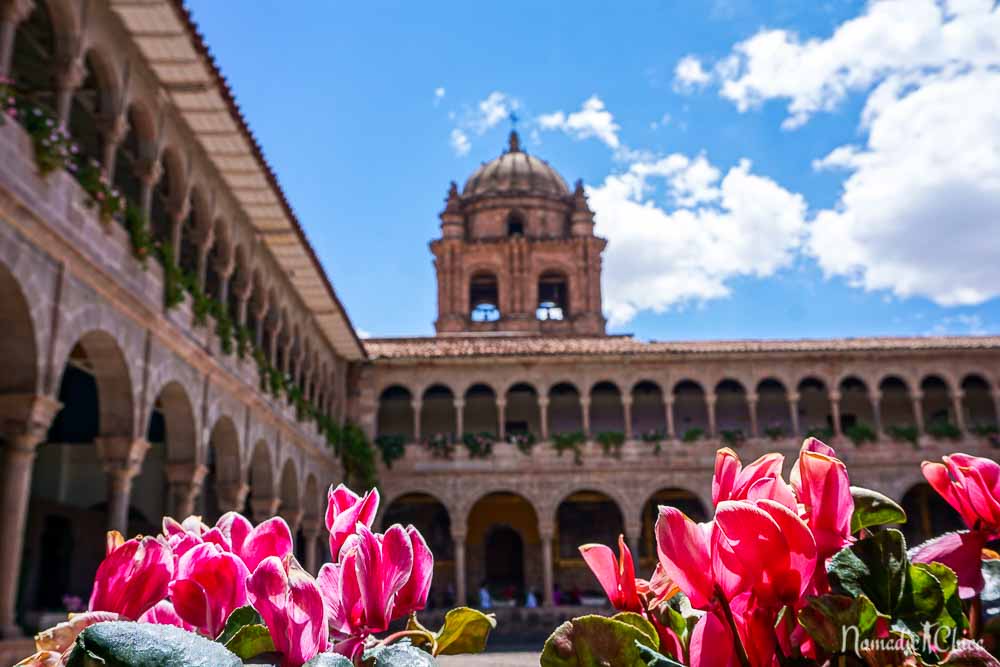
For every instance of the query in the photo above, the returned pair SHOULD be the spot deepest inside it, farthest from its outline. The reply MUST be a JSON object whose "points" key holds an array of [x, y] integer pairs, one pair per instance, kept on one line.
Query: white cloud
{"points": [[966, 324], [663, 121], [659, 257], [690, 74], [439, 93], [493, 110], [363, 333], [460, 142], [593, 120], [890, 37]]}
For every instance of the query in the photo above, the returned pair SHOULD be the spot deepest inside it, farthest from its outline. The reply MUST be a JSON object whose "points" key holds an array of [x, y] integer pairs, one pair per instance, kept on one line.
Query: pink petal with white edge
{"points": [[683, 549]]}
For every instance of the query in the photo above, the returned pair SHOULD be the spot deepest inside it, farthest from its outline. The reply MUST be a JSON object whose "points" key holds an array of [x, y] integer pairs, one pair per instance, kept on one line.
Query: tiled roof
{"points": [[448, 347]]}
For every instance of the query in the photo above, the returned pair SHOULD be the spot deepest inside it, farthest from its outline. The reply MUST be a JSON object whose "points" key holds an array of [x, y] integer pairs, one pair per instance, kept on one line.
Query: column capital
{"points": [[876, 395], [835, 395], [148, 171], [459, 403], [793, 397], [122, 456], [626, 399], [501, 402], [113, 126], [25, 418], [547, 532], [752, 397], [293, 518], [917, 396], [232, 495], [185, 473], [543, 401], [416, 404], [311, 527], [16, 11], [458, 536], [710, 397], [69, 72], [264, 508]]}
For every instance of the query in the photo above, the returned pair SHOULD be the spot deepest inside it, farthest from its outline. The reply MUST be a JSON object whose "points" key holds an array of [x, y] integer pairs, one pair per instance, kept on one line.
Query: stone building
{"points": [[189, 354]]}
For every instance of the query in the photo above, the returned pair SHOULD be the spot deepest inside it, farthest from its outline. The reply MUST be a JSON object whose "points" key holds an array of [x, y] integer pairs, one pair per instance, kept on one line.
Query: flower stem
{"points": [[741, 652], [975, 617], [403, 634]]}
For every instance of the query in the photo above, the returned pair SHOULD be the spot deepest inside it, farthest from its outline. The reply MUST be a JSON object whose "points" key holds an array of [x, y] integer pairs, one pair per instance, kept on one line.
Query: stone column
{"points": [[710, 406], [204, 238], [502, 418], [293, 517], [242, 289], [12, 13], [458, 539], [264, 508], [793, 412], [24, 421], [311, 532], [543, 413], [232, 496], [752, 408], [956, 401], [918, 412], [627, 415], [459, 417], [122, 458], [585, 414], [149, 173], [184, 482], [668, 408], [835, 413], [260, 313], [69, 75], [177, 218], [546, 534], [113, 129], [876, 399], [416, 405]]}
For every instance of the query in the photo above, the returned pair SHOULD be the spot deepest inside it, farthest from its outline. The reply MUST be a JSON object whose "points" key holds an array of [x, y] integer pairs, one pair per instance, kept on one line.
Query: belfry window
{"points": [[515, 224], [484, 298], [552, 297]]}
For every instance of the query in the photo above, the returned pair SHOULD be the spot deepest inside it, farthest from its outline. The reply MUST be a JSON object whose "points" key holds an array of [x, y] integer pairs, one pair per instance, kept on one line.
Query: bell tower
{"points": [[518, 253]]}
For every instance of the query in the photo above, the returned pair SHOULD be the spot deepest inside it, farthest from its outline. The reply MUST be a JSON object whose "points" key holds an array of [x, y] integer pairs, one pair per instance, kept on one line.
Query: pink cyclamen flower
{"points": [[133, 576], [344, 510], [823, 487], [616, 575], [232, 533], [164, 613], [289, 601], [760, 479], [209, 584]]}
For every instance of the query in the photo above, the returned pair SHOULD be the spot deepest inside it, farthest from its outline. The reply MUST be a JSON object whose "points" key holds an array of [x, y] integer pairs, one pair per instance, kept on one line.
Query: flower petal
{"points": [[683, 550]]}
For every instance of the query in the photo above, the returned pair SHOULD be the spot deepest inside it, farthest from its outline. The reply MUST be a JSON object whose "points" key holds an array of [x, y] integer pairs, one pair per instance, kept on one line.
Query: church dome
{"points": [[515, 172]]}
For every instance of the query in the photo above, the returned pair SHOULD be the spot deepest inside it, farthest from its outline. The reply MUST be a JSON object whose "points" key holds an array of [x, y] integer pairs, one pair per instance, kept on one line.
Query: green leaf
{"points": [[241, 616], [250, 641], [641, 624], [651, 658], [329, 660], [871, 508], [465, 630], [875, 566], [398, 654], [931, 596], [594, 640], [831, 620], [126, 644]]}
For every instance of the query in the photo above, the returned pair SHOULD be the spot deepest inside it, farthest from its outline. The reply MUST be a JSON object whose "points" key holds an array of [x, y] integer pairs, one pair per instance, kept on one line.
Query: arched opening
{"points": [[927, 515], [773, 416], [395, 413], [979, 406], [515, 224], [565, 410], [895, 406], [732, 411], [32, 63], [937, 406], [172, 437], [130, 152], [553, 296], [522, 416], [224, 479], [18, 348], [484, 298], [583, 517], [219, 257], [690, 411], [857, 418], [437, 412], [262, 488], [89, 106], [491, 521], [193, 232], [291, 507], [166, 193], [430, 517], [480, 412], [649, 418], [814, 408], [607, 414], [683, 500]]}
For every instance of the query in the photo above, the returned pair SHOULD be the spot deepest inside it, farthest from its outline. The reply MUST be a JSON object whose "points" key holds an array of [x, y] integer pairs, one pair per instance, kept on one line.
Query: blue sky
{"points": [[784, 169]]}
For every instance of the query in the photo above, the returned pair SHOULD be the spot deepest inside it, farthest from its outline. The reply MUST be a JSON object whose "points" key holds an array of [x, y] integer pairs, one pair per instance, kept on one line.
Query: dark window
{"points": [[552, 297], [515, 225], [484, 298]]}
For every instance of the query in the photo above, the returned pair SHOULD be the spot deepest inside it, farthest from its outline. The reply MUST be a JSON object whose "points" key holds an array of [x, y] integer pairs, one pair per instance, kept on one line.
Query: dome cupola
{"points": [[515, 173]]}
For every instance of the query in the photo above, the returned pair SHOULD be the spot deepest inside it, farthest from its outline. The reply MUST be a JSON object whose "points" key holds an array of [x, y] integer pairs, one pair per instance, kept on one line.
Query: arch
{"points": [[523, 414], [437, 411], [484, 297], [553, 296], [684, 500], [583, 517], [895, 405], [261, 472], [224, 468], [479, 414], [173, 416], [978, 405], [312, 500], [928, 514], [773, 414], [935, 402], [649, 417], [168, 193], [92, 102], [690, 410], [219, 256], [856, 410], [732, 410], [291, 497], [98, 354], [430, 516], [503, 510], [607, 413], [815, 417], [136, 146], [565, 409], [19, 355], [36, 45]]}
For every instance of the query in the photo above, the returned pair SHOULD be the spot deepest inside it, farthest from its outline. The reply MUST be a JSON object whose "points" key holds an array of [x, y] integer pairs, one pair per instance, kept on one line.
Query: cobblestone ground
{"points": [[505, 659]]}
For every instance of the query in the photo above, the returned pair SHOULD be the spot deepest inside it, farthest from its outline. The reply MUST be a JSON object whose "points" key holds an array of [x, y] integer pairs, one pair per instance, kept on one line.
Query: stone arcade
{"points": [[115, 409]]}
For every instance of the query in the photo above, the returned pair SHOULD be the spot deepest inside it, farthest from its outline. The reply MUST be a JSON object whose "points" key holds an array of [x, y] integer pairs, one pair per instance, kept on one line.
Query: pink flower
{"points": [[971, 485], [133, 576], [413, 596], [289, 601], [823, 487], [210, 583], [163, 613], [616, 575], [233, 533], [760, 479], [344, 510]]}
